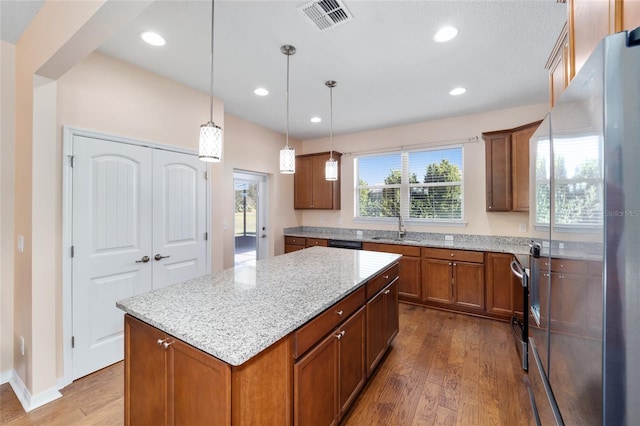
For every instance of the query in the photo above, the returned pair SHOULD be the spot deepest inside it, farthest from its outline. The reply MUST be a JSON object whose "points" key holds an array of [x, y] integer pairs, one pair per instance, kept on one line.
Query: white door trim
{"points": [[262, 179], [68, 133]]}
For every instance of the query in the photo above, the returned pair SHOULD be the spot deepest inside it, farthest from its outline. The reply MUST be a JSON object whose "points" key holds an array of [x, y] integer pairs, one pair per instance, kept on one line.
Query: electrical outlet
{"points": [[522, 227], [359, 235], [561, 246], [21, 345], [21, 243], [448, 237]]}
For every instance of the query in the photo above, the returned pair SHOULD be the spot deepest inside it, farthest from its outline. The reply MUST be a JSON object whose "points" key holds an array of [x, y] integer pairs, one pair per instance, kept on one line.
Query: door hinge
{"points": [[73, 251], [71, 157], [206, 236], [73, 342]]}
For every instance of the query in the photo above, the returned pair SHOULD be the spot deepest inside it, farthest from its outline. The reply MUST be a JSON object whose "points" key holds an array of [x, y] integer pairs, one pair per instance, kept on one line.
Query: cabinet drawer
{"points": [[381, 280], [316, 242], [310, 333], [392, 248], [448, 254], [295, 241]]}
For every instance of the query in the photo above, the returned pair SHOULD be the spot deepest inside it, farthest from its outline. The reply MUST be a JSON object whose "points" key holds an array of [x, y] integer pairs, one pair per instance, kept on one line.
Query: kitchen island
{"points": [[261, 344]]}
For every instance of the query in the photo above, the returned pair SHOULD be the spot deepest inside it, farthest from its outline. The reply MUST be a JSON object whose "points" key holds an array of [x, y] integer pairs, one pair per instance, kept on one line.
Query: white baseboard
{"points": [[28, 401], [5, 376]]}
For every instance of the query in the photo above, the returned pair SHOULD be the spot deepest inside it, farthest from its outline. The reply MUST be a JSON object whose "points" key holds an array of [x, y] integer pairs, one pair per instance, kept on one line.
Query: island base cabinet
{"points": [[330, 376], [168, 382], [382, 324]]}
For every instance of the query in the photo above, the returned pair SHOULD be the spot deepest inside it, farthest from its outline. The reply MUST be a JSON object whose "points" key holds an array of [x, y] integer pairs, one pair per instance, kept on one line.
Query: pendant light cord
{"points": [[287, 143], [331, 122], [211, 83]]}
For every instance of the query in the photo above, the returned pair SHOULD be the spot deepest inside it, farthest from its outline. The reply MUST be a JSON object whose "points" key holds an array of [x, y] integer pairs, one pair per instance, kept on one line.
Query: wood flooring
{"points": [[443, 369]]}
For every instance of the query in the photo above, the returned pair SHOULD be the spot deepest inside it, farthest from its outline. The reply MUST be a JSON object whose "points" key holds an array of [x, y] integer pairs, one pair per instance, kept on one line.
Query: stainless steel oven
{"points": [[520, 326]]}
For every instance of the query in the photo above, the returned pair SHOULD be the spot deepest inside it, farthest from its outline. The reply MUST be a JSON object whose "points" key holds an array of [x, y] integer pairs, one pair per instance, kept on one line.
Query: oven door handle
{"points": [[516, 269]]}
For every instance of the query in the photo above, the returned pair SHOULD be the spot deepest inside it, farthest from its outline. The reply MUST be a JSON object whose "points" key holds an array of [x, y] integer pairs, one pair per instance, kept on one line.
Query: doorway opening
{"points": [[250, 224]]}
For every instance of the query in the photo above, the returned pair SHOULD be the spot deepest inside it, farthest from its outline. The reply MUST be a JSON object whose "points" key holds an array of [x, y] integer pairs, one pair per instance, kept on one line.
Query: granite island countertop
{"points": [[236, 313]]}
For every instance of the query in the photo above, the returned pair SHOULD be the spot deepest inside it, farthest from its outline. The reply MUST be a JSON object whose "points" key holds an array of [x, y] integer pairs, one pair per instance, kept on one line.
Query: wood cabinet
{"points": [[588, 21], [453, 279], [328, 378], [382, 324], [311, 189], [298, 243], [504, 290], [507, 168], [169, 382], [409, 273]]}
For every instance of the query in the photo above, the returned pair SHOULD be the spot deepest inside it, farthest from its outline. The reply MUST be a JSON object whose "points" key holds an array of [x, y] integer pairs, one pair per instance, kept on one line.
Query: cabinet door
{"points": [[145, 375], [498, 171], [520, 168], [469, 285], [391, 313], [569, 294], [352, 370], [303, 183], [409, 283], [199, 387], [315, 378], [376, 344], [322, 188], [500, 284], [437, 281]]}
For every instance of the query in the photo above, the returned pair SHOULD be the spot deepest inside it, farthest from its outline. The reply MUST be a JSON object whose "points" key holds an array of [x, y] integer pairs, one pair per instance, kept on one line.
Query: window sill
{"points": [[425, 223]]}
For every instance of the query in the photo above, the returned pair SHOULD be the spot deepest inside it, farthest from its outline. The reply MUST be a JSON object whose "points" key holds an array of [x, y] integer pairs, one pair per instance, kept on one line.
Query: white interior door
{"points": [[111, 237], [179, 222], [130, 203]]}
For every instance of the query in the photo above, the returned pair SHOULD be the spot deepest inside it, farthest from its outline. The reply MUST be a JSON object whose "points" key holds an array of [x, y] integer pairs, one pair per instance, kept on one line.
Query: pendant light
{"points": [[331, 166], [210, 148], [287, 154]]}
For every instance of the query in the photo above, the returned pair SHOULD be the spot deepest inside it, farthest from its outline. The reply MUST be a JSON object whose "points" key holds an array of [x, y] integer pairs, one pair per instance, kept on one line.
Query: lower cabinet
{"points": [[382, 324], [504, 290], [169, 382], [453, 278], [409, 284], [328, 378]]}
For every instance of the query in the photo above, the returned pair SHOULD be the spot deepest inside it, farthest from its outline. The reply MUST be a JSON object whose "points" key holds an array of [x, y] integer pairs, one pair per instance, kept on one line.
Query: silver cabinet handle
{"points": [[144, 259], [386, 277], [159, 256], [339, 312], [340, 335], [167, 344], [161, 341], [387, 291]]}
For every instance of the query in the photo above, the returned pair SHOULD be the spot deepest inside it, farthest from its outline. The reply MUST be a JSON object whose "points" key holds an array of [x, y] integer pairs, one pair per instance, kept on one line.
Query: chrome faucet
{"points": [[401, 230]]}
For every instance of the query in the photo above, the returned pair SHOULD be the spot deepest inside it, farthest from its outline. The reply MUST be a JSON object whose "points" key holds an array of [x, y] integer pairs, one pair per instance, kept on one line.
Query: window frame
{"points": [[405, 188]]}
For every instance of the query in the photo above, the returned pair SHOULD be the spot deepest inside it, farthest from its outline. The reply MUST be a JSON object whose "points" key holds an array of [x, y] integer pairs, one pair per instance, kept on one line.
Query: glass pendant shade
{"points": [[287, 160], [331, 169], [210, 142]]}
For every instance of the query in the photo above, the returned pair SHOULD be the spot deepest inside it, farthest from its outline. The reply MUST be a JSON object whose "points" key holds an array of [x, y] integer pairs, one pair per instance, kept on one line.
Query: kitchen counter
{"points": [[237, 313]]}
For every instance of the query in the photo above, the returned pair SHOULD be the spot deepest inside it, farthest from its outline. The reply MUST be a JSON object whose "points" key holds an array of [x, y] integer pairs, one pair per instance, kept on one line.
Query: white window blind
{"points": [[419, 184]]}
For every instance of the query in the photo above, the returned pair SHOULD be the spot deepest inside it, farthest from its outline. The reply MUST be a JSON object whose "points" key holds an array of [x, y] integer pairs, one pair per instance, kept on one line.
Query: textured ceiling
{"points": [[388, 68]]}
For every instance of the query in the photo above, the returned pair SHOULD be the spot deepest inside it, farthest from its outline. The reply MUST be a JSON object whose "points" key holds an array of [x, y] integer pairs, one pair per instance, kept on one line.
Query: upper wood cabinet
{"points": [[507, 168], [588, 21], [311, 189]]}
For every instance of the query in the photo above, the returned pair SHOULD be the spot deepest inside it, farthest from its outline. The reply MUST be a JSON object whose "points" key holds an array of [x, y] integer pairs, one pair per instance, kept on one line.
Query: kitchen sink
{"points": [[398, 240]]}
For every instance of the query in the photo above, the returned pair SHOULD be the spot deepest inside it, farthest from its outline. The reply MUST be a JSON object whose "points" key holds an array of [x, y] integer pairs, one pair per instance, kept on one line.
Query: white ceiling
{"points": [[389, 70]]}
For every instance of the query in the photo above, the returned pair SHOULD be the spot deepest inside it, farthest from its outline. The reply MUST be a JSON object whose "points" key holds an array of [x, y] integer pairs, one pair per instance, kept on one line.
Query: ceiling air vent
{"points": [[325, 14]]}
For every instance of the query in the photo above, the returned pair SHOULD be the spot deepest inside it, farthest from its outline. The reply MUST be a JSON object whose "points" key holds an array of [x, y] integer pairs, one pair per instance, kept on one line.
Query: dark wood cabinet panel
{"points": [[391, 313], [507, 168], [468, 286], [311, 189], [409, 268], [504, 291], [437, 281], [382, 323], [352, 371]]}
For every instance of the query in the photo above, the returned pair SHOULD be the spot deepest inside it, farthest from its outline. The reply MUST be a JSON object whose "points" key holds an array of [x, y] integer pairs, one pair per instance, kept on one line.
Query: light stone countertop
{"points": [[238, 312]]}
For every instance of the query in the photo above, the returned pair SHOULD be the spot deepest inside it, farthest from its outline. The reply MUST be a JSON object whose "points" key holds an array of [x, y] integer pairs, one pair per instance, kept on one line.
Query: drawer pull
{"points": [[339, 335], [386, 277], [452, 254], [161, 341], [167, 344], [339, 312], [387, 291]]}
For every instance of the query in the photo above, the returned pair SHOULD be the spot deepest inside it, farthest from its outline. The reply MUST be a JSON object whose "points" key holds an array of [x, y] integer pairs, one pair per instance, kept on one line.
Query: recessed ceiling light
{"points": [[457, 91], [261, 91], [315, 119], [152, 38], [445, 34]]}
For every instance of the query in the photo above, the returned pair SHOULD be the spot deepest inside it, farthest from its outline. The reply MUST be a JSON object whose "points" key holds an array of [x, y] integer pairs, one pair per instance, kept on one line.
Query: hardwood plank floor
{"points": [[443, 369]]}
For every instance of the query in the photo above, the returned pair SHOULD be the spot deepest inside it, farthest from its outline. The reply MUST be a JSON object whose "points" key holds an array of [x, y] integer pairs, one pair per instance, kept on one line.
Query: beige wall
{"points": [[435, 132], [7, 146]]}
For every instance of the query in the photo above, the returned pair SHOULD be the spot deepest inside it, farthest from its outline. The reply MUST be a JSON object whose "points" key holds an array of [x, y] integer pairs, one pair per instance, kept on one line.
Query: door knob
{"points": [[144, 259], [159, 256]]}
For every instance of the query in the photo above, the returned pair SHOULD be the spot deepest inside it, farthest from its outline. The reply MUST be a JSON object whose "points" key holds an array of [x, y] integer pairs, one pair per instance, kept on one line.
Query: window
{"points": [[423, 185], [577, 182]]}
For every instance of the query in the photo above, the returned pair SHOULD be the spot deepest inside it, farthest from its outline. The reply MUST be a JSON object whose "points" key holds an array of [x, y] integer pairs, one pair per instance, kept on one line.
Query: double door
{"points": [[139, 223]]}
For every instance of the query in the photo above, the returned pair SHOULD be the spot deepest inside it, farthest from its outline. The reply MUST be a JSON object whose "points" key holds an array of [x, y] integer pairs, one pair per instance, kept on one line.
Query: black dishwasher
{"points": [[353, 245]]}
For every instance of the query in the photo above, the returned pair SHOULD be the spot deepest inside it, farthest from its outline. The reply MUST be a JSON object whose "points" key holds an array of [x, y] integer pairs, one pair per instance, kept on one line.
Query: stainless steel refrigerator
{"points": [[584, 347]]}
